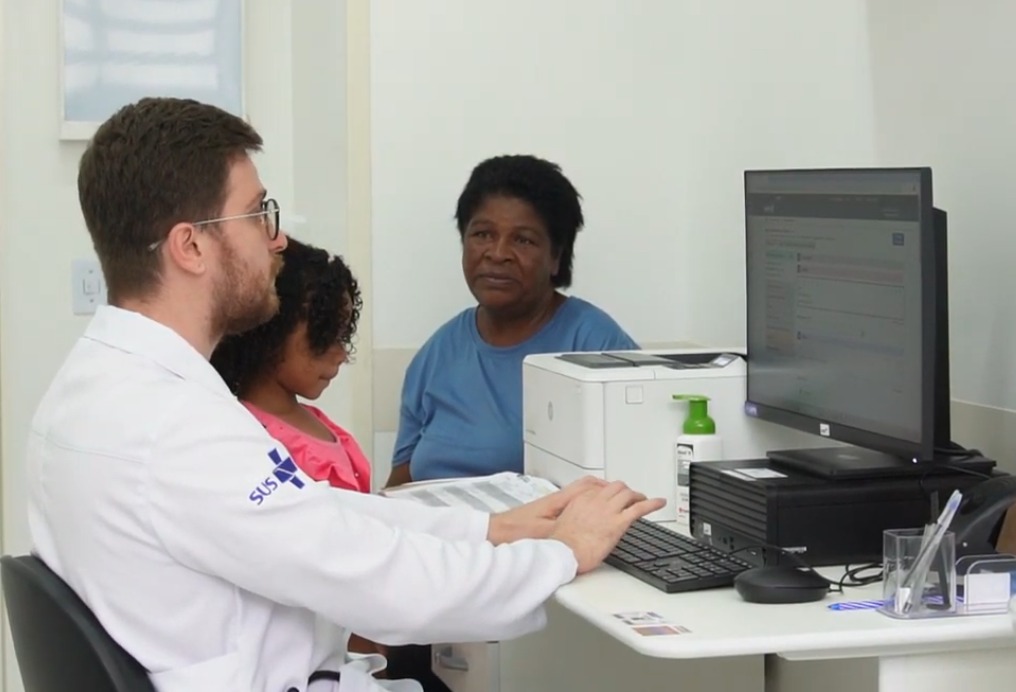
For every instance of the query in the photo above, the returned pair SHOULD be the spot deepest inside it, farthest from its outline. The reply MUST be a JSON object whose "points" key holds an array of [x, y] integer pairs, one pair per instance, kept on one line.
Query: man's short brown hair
{"points": [[151, 165]]}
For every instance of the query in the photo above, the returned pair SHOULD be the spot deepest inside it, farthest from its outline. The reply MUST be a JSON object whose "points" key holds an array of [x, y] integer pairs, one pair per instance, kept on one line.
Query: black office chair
{"points": [[59, 643]]}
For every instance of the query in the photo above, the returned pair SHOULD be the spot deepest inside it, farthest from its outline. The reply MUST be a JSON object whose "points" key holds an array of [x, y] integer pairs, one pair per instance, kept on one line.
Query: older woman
{"points": [[461, 409]]}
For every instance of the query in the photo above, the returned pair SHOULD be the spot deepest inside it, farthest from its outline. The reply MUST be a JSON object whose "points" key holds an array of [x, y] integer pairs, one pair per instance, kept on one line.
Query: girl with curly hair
{"points": [[295, 356]]}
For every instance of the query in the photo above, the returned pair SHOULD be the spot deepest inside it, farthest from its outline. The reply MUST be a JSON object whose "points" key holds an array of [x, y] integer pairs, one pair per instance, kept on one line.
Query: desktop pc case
{"points": [[769, 512]]}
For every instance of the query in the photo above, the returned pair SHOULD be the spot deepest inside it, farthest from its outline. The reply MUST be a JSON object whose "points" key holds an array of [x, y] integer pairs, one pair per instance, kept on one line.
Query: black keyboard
{"points": [[672, 562]]}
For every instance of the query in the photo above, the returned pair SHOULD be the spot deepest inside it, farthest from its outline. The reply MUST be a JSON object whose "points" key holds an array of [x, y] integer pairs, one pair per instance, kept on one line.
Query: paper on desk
{"points": [[650, 624], [495, 493]]}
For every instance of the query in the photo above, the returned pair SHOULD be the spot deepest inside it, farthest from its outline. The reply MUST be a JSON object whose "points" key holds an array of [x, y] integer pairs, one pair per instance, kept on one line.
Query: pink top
{"points": [[341, 462]]}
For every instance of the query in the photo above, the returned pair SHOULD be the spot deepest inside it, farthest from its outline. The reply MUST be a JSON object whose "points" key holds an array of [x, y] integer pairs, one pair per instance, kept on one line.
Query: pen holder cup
{"points": [[920, 578]]}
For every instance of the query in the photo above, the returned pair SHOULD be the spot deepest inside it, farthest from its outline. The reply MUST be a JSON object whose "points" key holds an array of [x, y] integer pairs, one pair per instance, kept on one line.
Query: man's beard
{"points": [[242, 301]]}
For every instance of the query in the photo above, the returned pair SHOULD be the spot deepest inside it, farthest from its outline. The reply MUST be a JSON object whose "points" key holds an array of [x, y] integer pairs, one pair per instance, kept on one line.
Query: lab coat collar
{"points": [[132, 332]]}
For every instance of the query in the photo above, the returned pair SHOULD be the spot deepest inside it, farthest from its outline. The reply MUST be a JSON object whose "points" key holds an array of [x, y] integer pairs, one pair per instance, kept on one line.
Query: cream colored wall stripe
{"points": [[359, 212]]}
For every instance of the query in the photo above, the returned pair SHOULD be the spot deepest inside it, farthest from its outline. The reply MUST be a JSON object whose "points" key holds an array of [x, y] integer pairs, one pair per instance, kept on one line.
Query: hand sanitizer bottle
{"points": [[698, 442]]}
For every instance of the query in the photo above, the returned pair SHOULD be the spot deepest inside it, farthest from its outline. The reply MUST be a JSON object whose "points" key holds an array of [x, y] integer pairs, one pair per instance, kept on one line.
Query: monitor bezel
{"points": [[923, 449]]}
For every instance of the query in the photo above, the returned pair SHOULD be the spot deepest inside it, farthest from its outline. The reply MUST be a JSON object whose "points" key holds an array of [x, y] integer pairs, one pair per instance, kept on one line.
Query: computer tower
{"points": [[774, 515]]}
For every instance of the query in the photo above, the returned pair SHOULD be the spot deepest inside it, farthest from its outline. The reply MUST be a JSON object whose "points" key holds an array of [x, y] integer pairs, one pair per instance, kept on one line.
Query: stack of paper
{"points": [[495, 493]]}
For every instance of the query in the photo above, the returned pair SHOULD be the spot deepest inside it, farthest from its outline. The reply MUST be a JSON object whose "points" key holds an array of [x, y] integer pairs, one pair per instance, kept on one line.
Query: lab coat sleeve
{"points": [[225, 499], [449, 523]]}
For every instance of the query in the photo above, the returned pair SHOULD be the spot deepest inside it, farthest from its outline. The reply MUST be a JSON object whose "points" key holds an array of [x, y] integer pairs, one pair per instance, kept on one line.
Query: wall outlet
{"points": [[88, 288]]}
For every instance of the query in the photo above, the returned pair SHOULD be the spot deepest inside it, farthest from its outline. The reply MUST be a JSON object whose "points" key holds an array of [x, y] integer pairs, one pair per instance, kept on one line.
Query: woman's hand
{"points": [[399, 475]]}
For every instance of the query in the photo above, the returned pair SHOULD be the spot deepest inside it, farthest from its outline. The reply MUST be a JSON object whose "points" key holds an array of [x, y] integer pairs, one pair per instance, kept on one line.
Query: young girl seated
{"points": [[296, 355]]}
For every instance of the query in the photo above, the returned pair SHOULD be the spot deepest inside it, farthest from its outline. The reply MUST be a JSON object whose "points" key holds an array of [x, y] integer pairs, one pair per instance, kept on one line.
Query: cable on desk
{"points": [[793, 556], [852, 575]]}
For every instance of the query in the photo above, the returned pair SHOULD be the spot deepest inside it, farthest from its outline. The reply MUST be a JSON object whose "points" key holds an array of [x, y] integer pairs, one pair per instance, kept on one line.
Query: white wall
{"points": [[653, 109], [296, 98], [945, 95]]}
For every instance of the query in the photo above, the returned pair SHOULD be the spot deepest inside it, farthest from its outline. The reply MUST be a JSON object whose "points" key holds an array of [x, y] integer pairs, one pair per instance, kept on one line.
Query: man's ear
{"points": [[184, 248]]}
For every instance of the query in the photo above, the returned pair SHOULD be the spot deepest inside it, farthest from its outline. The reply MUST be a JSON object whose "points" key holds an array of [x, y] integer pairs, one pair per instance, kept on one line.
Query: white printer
{"points": [[612, 415]]}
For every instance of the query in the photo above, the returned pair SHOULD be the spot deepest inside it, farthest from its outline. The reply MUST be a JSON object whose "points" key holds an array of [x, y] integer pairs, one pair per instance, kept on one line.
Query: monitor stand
{"points": [[853, 463]]}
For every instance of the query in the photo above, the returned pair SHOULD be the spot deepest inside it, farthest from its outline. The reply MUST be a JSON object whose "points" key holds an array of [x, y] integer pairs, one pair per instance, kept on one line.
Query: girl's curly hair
{"points": [[313, 287]]}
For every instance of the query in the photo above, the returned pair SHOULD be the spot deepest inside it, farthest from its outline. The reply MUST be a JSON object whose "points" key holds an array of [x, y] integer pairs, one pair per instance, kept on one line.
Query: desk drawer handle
{"points": [[446, 659]]}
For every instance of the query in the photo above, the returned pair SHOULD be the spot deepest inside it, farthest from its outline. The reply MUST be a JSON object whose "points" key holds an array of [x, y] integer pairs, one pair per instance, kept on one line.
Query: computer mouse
{"points": [[780, 584]]}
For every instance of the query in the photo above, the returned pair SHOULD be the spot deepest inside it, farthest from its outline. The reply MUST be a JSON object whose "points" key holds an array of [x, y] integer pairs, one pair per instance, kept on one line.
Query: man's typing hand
{"points": [[594, 521], [537, 519]]}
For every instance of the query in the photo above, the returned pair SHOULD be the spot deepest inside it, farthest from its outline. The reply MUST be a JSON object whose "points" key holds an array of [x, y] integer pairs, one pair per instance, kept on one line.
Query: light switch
{"points": [[88, 288]]}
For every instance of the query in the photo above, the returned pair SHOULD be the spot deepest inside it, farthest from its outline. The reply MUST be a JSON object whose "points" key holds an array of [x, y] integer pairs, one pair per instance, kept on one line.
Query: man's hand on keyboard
{"points": [[594, 521], [537, 519]]}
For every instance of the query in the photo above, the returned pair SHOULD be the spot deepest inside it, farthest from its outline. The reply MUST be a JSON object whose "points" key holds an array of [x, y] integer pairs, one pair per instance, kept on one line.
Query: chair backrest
{"points": [[59, 643]]}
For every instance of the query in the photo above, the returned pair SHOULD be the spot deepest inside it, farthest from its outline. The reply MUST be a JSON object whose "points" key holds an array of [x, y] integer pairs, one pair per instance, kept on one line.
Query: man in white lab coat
{"points": [[188, 530]]}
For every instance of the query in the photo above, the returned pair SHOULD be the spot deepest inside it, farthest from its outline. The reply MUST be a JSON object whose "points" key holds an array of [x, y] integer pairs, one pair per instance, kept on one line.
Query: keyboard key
{"points": [[672, 562]]}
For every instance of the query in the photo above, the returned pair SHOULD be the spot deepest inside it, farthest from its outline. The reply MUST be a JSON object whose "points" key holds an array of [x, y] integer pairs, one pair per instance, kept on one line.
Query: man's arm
{"points": [[234, 506], [221, 505], [449, 523]]}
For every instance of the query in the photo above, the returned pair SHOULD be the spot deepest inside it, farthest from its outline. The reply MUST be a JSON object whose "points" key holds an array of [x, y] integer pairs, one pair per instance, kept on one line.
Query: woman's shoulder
{"points": [[585, 309], [586, 325], [579, 310], [456, 326], [449, 337]]}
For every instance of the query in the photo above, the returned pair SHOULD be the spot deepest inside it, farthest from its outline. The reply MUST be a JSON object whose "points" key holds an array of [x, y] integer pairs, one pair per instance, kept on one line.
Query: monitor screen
{"points": [[835, 283]]}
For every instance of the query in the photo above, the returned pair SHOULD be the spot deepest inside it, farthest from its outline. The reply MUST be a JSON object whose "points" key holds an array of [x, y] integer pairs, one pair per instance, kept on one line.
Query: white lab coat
{"points": [[215, 562]]}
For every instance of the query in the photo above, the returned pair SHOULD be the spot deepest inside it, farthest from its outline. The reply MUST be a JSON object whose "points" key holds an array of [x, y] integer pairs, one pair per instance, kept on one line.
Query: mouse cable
{"points": [[794, 557], [852, 576]]}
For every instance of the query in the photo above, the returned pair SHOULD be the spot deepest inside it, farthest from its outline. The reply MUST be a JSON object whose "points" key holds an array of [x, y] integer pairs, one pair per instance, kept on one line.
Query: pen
{"points": [[856, 605], [913, 583], [877, 603]]}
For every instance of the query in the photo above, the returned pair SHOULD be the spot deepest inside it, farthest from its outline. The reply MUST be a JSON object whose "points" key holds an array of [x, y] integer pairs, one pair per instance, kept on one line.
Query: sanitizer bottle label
{"points": [[685, 454]]}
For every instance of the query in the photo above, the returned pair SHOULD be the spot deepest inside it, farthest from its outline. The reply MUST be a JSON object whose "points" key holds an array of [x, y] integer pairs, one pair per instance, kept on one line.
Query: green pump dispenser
{"points": [[697, 442], [698, 421]]}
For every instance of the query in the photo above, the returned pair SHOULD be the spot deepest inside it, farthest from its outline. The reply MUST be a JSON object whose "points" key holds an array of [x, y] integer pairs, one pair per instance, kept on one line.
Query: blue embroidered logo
{"points": [[285, 471]]}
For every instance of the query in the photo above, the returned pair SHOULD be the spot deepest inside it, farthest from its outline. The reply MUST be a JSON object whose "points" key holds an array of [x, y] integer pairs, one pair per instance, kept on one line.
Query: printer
{"points": [[612, 415]]}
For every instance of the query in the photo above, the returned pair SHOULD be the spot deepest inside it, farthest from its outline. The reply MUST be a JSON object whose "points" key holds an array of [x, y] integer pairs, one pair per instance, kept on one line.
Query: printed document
{"points": [[495, 493]]}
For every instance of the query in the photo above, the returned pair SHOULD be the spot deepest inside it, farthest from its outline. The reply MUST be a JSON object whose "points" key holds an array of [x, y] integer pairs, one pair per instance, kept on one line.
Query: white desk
{"points": [[972, 652]]}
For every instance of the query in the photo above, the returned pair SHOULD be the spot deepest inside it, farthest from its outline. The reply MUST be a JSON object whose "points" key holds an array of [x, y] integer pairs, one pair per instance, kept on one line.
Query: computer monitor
{"points": [[847, 319]]}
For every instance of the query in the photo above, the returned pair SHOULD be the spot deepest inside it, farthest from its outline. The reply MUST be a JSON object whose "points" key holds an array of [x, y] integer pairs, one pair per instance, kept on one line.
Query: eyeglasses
{"points": [[269, 214]]}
